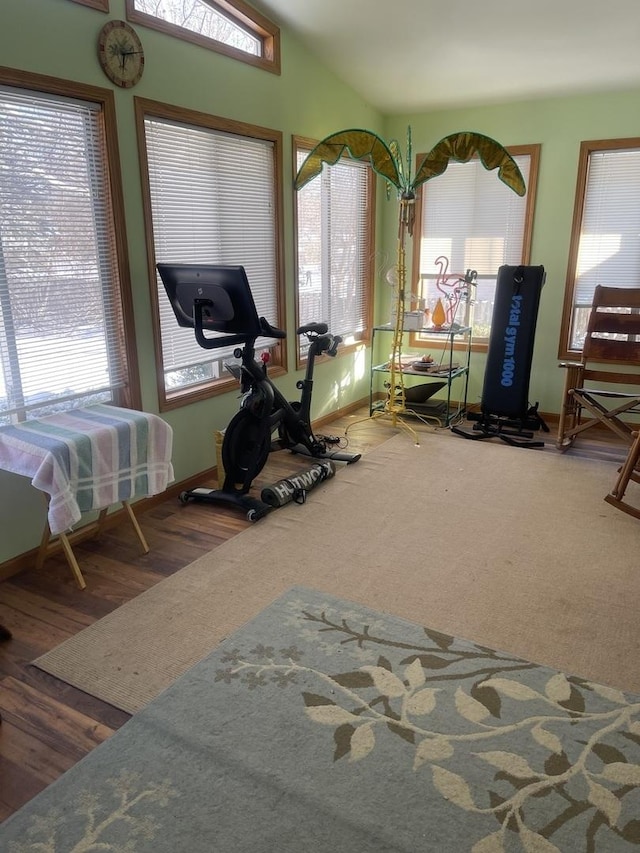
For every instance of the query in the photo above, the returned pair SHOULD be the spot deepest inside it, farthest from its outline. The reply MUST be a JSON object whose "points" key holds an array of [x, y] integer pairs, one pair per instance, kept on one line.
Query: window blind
{"points": [[61, 336], [477, 222], [212, 202], [473, 219], [609, 247], [333, 247]]}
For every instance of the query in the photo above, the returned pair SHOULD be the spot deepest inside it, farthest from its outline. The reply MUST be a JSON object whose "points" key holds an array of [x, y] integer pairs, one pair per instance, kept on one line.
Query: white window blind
{"points": [[609, 250], [61, 333], [475, 221], [334, 239], [212, 202]]}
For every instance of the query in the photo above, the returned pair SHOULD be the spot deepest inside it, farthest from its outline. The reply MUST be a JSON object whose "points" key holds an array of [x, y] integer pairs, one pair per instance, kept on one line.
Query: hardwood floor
{"points": [[47, 726]]}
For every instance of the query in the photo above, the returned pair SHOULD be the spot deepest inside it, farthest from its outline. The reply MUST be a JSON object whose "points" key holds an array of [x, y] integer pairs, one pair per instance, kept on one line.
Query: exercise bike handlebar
{"points": [[317, 333], [224, 340], [270, 331]]}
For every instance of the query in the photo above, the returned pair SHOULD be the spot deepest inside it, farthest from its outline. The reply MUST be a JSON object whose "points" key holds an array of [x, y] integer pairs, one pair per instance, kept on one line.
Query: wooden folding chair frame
{"points": [[628, 472], [620, 345]]}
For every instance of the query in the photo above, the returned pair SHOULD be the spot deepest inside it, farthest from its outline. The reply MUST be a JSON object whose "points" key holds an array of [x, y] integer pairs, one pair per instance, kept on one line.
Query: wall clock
{"points": [[120, 53]]}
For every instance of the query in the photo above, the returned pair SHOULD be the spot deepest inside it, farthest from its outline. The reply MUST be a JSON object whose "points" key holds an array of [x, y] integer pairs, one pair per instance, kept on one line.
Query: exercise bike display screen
{"points": [[231, 307]]}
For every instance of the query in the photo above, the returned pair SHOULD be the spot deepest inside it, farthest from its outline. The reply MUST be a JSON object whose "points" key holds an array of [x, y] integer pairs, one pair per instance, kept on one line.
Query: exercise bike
{"points": [[219, 299]]}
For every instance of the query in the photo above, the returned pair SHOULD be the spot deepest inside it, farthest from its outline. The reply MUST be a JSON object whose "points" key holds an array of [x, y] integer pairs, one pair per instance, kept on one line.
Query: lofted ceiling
{"points": [[418, 55]]}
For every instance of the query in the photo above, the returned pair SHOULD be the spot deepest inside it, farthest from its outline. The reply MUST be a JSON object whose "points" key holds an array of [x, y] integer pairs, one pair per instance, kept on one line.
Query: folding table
{"points": [[88, 459]]}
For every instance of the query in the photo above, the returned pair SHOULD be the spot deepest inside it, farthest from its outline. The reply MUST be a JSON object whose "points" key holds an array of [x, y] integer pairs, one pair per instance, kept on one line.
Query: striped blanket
{"points": [[87, 459]]}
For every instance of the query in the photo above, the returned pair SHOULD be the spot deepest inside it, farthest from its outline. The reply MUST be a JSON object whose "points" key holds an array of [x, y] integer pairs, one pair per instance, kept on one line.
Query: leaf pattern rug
{"points": [[323, 726]]}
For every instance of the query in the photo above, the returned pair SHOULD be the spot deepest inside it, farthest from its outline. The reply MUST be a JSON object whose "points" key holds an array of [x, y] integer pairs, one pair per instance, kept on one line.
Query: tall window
{"points": [[470, 217], [605, 240], [213, 197], [64, 289], [335, 225], [231, 27]]}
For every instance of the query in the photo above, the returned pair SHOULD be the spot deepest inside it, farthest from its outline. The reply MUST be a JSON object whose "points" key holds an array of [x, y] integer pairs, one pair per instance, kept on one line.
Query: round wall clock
{"points": [[120, 53]]}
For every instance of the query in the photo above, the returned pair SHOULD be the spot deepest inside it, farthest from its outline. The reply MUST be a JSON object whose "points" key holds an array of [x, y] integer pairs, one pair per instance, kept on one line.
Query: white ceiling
{"points": [[416, 55]]}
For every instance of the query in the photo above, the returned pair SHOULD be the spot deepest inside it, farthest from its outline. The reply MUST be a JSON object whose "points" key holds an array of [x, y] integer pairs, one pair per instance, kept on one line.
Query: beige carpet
{"points": [[507, 547]]}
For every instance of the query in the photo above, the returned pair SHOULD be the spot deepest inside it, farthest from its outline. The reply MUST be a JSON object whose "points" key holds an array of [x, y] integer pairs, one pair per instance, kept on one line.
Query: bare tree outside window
{"points": [[200, 17], [62, 327]]}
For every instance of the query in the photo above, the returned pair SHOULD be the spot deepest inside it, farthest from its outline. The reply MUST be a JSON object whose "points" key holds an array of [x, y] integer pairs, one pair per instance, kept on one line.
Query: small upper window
{"points": [[101, 5], [230, 27]]}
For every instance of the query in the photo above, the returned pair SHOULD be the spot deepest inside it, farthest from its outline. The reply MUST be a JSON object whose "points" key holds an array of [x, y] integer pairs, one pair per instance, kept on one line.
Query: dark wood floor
{"points": [[47, 726]]}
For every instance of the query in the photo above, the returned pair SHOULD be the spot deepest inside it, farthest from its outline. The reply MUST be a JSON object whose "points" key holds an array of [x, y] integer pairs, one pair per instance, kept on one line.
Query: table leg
{"points": [[71, 559], [94, 529], [44, 549], [136, 526], [44, 542], [5, 634], [100, 522]]}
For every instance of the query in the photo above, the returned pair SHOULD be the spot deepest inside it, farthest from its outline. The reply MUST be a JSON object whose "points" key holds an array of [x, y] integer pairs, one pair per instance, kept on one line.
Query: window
{"points": [[64, 288], [213, 197], [335, 225], [230, 27], [470, 217], [605, 240]]}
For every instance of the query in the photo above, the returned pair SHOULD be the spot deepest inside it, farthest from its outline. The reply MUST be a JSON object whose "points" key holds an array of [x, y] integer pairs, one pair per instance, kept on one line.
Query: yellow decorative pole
{"points": [[395, 404]]}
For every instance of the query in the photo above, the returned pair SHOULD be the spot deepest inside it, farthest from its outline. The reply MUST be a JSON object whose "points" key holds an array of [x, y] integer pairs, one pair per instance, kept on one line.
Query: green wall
{"points": [[58, 38], [559, 125]]}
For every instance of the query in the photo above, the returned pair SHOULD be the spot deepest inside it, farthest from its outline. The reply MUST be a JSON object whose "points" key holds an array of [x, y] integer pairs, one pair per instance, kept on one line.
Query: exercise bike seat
{"points": [[315, 328]]}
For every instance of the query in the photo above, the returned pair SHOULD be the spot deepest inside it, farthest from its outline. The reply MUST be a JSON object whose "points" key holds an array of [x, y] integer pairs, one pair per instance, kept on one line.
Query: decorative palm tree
{"points": [[386, 160]]}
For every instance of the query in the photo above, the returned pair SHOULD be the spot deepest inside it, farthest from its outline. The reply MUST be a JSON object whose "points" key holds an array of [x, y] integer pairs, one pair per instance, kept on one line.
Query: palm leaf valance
{"points": [[386, 160], [462, 147]]}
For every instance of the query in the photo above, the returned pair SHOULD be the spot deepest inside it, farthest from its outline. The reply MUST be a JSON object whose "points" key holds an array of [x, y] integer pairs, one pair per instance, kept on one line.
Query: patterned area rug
{"points": [[322, 725]]}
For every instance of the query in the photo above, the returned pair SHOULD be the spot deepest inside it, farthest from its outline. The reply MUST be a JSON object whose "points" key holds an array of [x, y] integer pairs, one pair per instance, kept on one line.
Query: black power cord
{"points": [[332, 440]]}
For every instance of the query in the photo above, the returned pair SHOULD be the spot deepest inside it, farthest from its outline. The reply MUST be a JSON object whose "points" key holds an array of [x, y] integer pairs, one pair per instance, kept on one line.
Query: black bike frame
{"points": [[292, 420]]}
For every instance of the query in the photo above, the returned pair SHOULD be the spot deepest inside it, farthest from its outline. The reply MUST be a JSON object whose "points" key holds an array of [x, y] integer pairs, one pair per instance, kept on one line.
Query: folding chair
{"points": [[612, 340], [625, 474]]}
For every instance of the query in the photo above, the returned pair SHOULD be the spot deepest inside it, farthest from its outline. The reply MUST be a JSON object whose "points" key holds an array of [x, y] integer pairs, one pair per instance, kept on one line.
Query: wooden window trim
{"points": [[100, 5], [145, 108], [365, 339], [261, 27], [586, 149], [132, 396]]}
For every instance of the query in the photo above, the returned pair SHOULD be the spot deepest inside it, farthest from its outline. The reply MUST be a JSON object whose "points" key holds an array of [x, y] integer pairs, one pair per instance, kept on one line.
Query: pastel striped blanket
{"points": [[87, 459]]}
